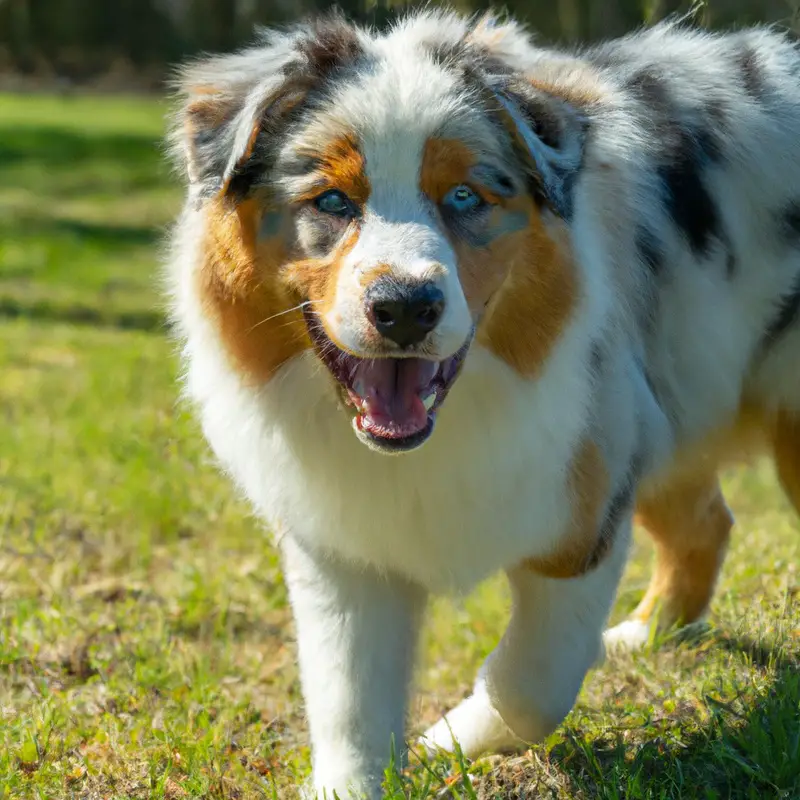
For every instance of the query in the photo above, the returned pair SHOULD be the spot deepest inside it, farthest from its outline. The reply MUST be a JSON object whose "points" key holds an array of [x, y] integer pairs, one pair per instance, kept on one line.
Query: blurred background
{"points": [[131, 42], [146, 645]]}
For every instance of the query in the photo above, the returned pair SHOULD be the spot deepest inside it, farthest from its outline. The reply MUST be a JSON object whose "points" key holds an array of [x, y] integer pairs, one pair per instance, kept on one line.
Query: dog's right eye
{"points": [[336, 203]]}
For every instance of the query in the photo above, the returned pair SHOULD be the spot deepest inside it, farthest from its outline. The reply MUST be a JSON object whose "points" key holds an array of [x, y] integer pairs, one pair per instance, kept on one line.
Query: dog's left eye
{"points": [[334, 202], [461, 199]]}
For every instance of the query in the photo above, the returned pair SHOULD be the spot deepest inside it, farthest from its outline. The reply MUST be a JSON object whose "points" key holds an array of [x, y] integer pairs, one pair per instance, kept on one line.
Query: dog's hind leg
{"points": [[786, 448], [690, 524]]}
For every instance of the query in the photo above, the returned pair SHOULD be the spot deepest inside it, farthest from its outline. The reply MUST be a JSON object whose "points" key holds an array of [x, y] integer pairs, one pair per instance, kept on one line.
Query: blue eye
{"points": [[461, 199], [334, 202]]}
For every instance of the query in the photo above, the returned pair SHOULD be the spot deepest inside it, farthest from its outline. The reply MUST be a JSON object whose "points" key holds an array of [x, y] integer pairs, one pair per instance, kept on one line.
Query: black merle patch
{"points": [[787, 316], [564, 207], [650, 250], [651, 88], [469, 57], [540, 112], [329, 45], [556, 194], [730, 265], [648, 379], [243, 178], [596, 358], [707, 144], [332, 43], [790, 223], [620, 505], [250, 172], [685, 195], [717, 113], [751, 72]]}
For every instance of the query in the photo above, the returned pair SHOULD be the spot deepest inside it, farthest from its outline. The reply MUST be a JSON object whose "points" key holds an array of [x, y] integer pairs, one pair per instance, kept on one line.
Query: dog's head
{"points": [[367, 196]]}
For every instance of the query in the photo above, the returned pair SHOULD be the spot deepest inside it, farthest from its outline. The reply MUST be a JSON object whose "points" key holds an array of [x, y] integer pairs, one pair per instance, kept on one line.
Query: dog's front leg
{"points": [[529, 683], [356, 633]]}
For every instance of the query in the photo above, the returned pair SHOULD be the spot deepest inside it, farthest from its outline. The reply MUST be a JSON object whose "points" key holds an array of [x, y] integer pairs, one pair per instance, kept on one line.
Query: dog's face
{"points": [[367, 197]]}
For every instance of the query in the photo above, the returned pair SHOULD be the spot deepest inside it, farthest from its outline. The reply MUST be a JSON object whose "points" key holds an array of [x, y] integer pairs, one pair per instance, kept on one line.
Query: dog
{"points": [[451, 303]]}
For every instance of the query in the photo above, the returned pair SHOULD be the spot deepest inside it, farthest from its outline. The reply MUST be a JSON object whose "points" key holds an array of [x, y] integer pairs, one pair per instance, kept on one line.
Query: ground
{"points": [[146, 649]]}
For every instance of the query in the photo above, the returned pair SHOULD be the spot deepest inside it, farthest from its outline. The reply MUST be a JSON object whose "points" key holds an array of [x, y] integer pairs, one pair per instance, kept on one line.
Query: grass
{"points": [[146, 649]]}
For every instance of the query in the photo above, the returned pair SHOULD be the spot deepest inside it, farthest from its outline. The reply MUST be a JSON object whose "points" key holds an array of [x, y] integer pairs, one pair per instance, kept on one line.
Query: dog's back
{"points": [[717, 234], [717, 226]]}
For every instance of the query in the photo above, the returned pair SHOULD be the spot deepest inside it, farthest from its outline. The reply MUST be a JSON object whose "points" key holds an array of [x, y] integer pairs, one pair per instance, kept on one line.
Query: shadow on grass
{"points": [[758, 653], [143, 320], [103, 235], [53, 147], [738, 750], [744, 749], [107, 235]]}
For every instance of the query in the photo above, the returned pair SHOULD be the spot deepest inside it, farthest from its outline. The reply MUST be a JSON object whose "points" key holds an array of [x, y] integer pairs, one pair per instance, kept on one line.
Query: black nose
{"points": [[404, 312]]}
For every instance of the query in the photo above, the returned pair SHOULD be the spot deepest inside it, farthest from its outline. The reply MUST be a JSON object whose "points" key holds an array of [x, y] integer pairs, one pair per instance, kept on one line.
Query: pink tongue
{"points": [[391, 393]]}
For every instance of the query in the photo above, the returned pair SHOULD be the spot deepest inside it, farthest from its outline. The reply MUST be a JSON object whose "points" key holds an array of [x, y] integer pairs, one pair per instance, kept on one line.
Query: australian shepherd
{"points": [[452, 303]]}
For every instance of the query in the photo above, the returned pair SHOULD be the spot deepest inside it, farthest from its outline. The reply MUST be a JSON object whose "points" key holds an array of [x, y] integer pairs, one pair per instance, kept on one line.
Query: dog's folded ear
{"points": [[544, 120], [232, 107], [548, 134], [226, 101]]}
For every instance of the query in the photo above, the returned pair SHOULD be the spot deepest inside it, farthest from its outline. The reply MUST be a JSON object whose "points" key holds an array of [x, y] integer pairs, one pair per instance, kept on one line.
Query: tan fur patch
{"points": [[210, 111], [580, 88], [537, 298], [588, 487], [250, 288], [340, 166], [445, 163], [369, 276], [690, 524], [241, 290], [684, 511], [786, 444]]}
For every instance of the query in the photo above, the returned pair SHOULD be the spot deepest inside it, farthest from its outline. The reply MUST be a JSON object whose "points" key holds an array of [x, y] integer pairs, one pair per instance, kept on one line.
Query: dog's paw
{"points": [[632, 634], [473, 726]]}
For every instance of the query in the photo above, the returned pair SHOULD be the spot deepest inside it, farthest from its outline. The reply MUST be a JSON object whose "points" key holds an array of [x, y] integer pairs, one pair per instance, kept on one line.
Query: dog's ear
{"points": [[232, 107], [546, 126], [549, 137]]}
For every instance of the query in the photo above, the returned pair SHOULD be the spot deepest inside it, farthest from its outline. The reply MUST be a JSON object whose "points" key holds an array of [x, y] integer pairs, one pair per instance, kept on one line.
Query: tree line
{"points": [[83, 39]]}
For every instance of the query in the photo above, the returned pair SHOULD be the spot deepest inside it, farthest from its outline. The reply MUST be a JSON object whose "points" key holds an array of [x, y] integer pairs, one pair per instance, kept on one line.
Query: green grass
{"points": [[146, 649]]}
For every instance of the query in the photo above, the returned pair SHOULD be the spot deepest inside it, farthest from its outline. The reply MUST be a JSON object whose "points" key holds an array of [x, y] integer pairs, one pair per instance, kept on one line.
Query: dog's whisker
{"points": [[281, 313]]}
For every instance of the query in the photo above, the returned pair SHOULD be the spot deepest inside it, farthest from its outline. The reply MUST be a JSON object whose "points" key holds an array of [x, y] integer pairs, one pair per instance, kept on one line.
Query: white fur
{"points": [[356, 645], [630, 634]]}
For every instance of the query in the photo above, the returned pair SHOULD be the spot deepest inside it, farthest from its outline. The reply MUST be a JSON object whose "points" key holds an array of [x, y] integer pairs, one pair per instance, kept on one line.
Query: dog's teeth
{"points": [[429, 401]]}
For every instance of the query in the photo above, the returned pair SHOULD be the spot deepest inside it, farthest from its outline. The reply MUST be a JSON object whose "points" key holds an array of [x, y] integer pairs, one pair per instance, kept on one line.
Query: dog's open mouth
{"points": [[395, 399]]}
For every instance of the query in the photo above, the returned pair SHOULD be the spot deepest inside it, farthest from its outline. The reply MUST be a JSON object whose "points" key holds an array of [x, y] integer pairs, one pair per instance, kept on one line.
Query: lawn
{"points": [[146, 648]]}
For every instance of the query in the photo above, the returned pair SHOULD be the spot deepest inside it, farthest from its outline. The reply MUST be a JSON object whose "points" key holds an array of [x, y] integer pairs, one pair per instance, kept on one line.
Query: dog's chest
{"points": [[486, 491]]}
